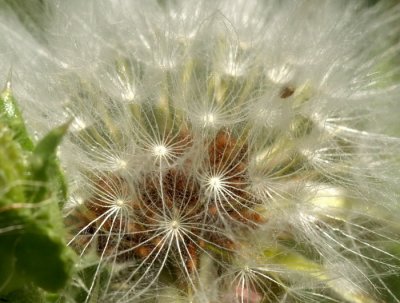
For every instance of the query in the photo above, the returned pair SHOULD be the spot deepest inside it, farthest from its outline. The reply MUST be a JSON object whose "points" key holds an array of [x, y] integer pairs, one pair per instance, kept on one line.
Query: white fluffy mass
{"points": [[220, 151]]}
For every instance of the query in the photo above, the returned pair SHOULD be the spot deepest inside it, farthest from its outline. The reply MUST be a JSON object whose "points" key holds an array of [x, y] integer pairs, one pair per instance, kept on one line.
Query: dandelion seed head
{"points": [[129, 95], [221, 152], [209, 119], [76, 200], [215, 184], [119, 202], [121, 164], [78, 124], [160, 151], [175, 224]]}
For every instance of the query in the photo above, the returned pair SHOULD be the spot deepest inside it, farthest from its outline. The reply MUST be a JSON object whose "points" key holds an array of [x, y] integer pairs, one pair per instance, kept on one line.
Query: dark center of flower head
{"points": [[173, 214]]}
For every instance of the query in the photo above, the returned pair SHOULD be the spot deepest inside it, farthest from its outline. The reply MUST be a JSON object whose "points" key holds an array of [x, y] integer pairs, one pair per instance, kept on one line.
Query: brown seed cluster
{"points": [[164, 201], [287, 91]]}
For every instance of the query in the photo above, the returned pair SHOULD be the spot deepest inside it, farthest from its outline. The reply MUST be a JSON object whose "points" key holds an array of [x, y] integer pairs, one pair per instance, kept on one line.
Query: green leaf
{"points": [[45, 167], [28, 293], [44, 259], [32, 248], [12, 170], [11, 115], [8, 280]]}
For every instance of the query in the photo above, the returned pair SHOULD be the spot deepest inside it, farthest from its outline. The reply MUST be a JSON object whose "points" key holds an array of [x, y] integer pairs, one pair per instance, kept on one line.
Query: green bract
{"points": [[33, 251]]}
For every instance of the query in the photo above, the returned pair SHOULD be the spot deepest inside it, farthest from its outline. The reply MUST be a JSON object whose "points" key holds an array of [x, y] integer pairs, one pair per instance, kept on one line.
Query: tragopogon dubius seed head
{"points": [[237, 151]]}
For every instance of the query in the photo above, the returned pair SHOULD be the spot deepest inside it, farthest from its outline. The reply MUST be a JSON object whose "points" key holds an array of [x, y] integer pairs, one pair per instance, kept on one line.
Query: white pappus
{"points": [[221, 151]]}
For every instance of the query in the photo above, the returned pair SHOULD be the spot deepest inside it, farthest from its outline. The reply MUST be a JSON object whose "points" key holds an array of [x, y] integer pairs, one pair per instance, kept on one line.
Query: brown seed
{"points": [[143, 251], [286, 92], [156, 241], [192, 261], [221, 140], [212, 210]]}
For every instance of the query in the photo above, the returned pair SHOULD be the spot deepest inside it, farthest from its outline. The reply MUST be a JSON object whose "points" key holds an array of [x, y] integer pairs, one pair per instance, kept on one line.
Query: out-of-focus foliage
{"points": [[32, 248]]}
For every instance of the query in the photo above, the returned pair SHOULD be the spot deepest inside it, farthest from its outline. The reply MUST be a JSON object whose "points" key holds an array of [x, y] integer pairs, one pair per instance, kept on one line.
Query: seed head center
{"points": [[215, 182], [160, 150], [174, 224], [208, 119], [119, 202]]}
